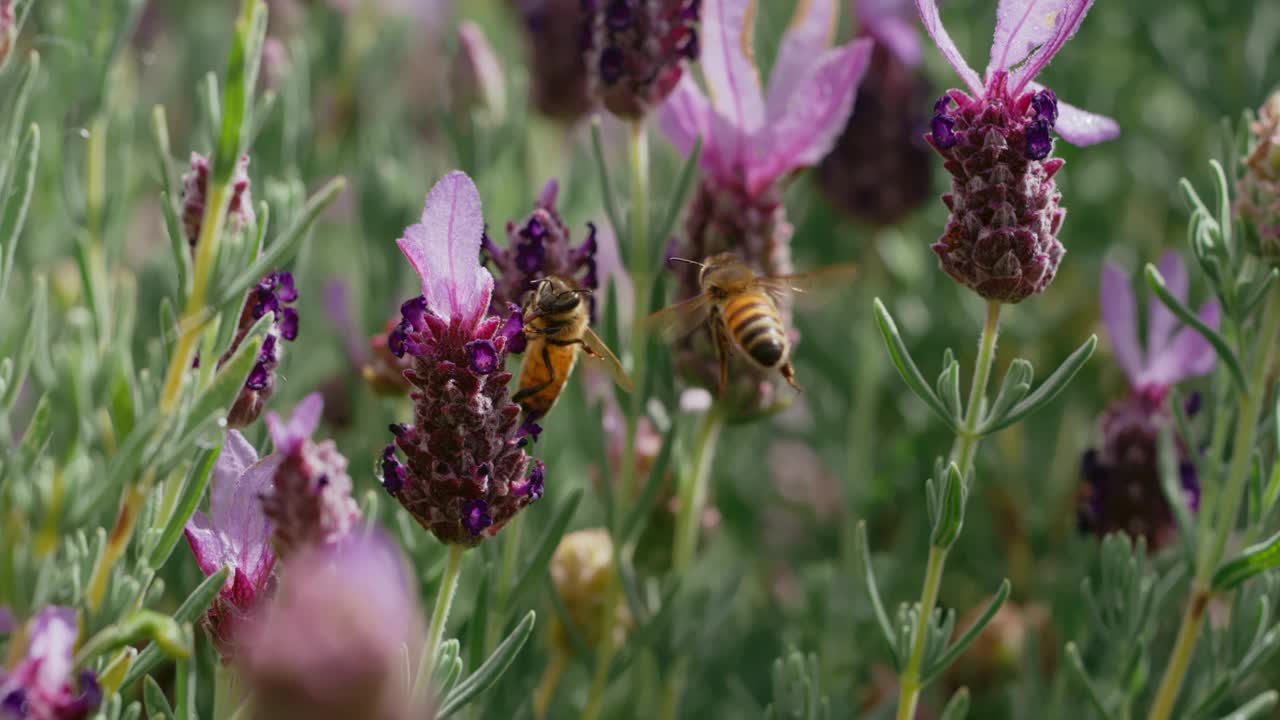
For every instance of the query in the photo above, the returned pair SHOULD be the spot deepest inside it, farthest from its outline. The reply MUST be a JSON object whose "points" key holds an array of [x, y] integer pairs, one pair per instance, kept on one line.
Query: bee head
{"points": [[554, 296], [723, 274]]}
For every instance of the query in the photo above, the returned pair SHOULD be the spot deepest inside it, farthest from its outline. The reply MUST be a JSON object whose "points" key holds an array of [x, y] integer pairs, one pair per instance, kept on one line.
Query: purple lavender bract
{"points": [[42, 684], [1002, 237], [636, 50], [557, 65], [273, 294], [466, 468]]}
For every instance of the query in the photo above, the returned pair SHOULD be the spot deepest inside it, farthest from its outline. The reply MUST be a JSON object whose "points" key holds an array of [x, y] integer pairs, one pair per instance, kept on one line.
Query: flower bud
{"points": [[274, 294], [580, 571], [637, 50], [557, 65], [1259, 191], [195, 193], [476, 78]]}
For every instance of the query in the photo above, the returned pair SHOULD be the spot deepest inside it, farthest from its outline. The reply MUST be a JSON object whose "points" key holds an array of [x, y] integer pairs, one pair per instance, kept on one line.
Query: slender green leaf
{"points": [[957, 707], [1171, 485], [1048, 389], [882, 618], [1255, 707], [676, 203], [1190, 318], [283, 249], [489, 673], [479, 616], [907, 367], [194, 488], [606, 183], [189, 611], [1091, 692], [950, 518], [164, 632], [157, 704], [236, 96], [1013, 388], [13, 215], [185, 689], [547, 545], [1252, 561], [35, 345], [958, 648]]}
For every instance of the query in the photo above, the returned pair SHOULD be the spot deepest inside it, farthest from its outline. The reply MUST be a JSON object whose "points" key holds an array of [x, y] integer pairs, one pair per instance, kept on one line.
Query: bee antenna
{"points": [[686, 260]]}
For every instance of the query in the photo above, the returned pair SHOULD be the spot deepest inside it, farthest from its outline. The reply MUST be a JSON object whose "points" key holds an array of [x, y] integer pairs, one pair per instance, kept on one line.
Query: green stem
{"points": [[507, 571], [963, 455], [439, 616], [225, 695], [1223, 518], [642, 280]]}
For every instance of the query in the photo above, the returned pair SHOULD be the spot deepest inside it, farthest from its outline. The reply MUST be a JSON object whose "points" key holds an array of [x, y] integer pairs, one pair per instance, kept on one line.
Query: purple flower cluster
{"points": [[1002, 237], [467, 472], [751, 141], [195, 193], [636, 50], [539, 246], [1121, 488], [274, 294], [1259, 197], [40, 685]]}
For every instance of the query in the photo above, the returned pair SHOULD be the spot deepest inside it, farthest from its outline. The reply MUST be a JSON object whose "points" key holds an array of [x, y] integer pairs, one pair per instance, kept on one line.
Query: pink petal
{"points": [[814, 118], [1021, 27], [1188, 355], [808, 36], [1080, 127], [1160, 322], [287, 437], [1066, 22], [727, 60], [206, 544], [247, 533], [686, 115], [236, 456], [444, 249], [933, 24], [899, 36], [1119, 312], [53, 640]]}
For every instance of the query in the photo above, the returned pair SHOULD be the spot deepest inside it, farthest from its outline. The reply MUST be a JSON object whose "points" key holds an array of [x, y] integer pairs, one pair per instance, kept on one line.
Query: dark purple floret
{"points": [[1045, 105], [1039, 141], [484, 356], [943, 135], [289, 325], [619, 14], [259, 377], [15, 703], [195, 190], [612, 61], [476, 517], [393, 473], [271, 296], [637, 50], [533, 486]]}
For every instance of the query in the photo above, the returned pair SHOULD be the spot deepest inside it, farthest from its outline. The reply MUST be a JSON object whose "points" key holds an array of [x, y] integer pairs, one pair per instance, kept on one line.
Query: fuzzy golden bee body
{"points": [[557, 328], [740, 309]]}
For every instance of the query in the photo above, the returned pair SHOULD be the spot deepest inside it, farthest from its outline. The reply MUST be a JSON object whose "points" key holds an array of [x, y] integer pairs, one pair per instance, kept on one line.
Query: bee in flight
{"points": [[740, 308], [556, 326]]}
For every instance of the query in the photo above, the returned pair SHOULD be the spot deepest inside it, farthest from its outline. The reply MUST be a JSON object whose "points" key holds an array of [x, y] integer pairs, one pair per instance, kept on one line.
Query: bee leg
{"points": [[535, 389], [789, 374], [722, 353]]}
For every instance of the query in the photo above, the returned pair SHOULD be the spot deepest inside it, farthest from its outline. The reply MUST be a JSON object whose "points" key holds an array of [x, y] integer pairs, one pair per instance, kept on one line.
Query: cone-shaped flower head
{"points": [[1259, 198], [880, 168], [467, 472], [195, 193], [42, 686], [751, 142], [580, 571], [476, 78], [636, 50], [1122, 490], [537, 247], [1002, 237], [274, 295], [235, 532], [309, 501], [329, 644], [557, 64]]}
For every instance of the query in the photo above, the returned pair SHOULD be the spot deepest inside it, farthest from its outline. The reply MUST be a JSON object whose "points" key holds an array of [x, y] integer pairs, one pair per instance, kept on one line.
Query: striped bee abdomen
{"points": [[753, 323]]}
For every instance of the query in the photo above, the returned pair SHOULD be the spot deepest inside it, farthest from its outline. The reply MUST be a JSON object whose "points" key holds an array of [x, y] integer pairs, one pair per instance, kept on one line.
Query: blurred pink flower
{"points": [[40, 685]]}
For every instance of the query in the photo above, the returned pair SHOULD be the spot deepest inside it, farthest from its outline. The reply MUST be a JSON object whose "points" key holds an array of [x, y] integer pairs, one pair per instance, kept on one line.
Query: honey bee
{"points": [[740, 308], [556, 326]]}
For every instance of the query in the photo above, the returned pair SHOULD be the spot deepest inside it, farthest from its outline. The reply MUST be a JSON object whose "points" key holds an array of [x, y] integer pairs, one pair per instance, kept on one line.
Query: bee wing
{"points": [[601, 352], [677, 320], [828, 277]]}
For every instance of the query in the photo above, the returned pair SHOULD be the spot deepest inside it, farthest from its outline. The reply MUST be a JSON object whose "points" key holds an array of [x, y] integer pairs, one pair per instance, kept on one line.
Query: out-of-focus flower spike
{"points": [[891, 24], [477, 81], [39, 684], [637, 50], [1258, 199]]}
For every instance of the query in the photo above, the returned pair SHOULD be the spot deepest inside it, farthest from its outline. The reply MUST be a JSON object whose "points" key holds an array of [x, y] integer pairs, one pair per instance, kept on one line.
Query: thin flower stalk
{"points": [[962, 454], [439, 618], [1222, 512]]}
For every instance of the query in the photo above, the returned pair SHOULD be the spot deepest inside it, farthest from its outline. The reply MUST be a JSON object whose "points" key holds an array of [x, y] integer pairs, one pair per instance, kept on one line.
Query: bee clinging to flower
{"points": [[740, 309], [556, 317]]}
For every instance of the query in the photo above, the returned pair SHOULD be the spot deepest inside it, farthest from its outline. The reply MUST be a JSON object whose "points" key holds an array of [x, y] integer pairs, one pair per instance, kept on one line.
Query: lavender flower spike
{"points": [[467, 471], [1002, 237], [328, 646], [637, 50], [1169, 357], [41, 686], [310, 500], [235, 532]]}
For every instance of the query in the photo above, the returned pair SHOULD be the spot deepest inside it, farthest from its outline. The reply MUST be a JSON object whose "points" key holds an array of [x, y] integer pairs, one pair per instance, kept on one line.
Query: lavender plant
{"points": [[194, 307]]}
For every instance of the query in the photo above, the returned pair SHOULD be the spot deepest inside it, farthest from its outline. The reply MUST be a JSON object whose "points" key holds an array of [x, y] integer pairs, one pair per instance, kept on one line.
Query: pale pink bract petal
{"points": [[287, 437], [685, 116], [814, 118], [206, 544], [1081, 127], [236, 455], [899, 36], [1160, 322], [933, 24], [444, 249], [808, 36], [1120, 313], [1021, 27], [1065, 24], [53, 640], [248, 532], [729, 67], [1187, 355]]}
